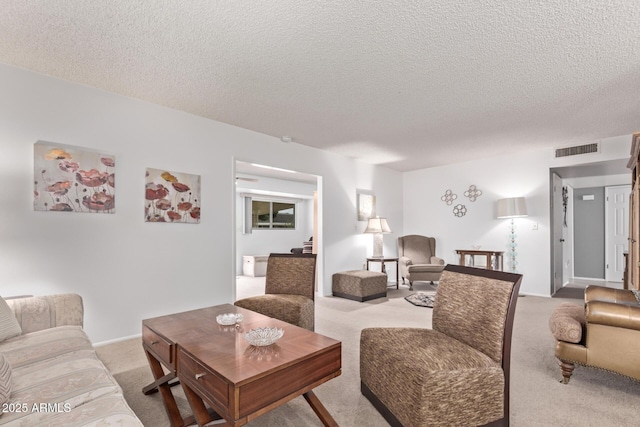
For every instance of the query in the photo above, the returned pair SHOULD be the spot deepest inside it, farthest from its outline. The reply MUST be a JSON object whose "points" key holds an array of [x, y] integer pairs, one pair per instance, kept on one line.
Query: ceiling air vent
{"points": [[577, 150]]}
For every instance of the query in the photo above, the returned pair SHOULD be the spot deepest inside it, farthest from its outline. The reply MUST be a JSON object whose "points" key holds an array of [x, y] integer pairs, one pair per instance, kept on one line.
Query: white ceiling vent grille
{"points": [[577, 150]]}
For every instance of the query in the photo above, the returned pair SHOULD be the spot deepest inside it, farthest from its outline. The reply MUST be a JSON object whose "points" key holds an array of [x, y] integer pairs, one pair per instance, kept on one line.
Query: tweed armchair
{"points": [[455, 374], [604, 332], [418, 260], [289, 290]]}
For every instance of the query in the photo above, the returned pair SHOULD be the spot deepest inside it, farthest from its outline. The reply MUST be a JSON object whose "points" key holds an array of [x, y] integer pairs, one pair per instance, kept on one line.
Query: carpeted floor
{"points": [[592, 398]]}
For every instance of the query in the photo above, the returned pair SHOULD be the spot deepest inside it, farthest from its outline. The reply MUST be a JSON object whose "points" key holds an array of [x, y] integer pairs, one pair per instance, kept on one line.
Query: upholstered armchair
{"points": [[289, 290], [455, 374], [604, 332], [417, 259]]}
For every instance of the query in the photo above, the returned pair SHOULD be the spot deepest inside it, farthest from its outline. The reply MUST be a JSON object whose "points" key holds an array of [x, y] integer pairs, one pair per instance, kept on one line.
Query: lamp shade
{"points": [[512, 207], [377, 225]]}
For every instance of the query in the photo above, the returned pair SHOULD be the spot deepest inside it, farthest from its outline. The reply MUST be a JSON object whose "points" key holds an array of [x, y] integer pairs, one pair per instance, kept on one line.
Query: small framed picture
{"points": [[366, 205]]}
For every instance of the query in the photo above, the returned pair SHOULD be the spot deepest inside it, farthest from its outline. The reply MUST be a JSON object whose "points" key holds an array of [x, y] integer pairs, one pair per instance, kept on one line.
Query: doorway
{"points": [[265, 185], [564, 238]]}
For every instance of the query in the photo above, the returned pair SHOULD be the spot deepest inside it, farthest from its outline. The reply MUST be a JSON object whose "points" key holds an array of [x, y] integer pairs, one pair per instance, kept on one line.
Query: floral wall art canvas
{"points": [[73, 179], [171, 197]]}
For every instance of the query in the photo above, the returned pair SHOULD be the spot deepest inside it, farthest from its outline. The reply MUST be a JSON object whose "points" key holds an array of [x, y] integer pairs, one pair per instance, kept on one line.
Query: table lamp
{"points": [[377, 226], [512, 207]]}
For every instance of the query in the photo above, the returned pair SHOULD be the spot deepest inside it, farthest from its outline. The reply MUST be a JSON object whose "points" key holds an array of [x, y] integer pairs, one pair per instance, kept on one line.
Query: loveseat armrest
{"points": [[437, 260], [611, 314], [43, 312]]}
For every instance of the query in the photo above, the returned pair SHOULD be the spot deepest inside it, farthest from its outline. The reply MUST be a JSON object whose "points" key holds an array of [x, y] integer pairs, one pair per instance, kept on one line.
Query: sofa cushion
{"points": [[5, 380], [426, 268], [9, 326], [63, 383], [295, 309], [42, 345], [57, 369], [110, 410], [44, 312]]}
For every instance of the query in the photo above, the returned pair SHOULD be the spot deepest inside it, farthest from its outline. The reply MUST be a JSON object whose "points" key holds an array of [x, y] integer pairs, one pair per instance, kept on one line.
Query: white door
{"points": [[557, 238], [616, 231], [567, 235]]}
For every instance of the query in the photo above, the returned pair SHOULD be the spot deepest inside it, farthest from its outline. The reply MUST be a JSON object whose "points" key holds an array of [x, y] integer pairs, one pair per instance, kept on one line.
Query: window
{"points": [[267, 214]]}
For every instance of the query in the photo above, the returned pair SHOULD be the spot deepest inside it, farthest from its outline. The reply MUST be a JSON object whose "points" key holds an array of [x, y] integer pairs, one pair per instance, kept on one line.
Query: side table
{"points": [[383, 261]]}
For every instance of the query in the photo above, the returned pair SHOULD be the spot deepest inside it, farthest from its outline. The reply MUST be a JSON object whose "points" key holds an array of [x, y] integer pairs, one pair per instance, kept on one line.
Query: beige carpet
{"points": [[592, 398]]}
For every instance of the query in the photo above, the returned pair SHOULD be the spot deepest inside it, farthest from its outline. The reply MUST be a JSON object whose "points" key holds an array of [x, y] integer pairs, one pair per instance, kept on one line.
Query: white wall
{"points": [[125, 269], [525, 175], [262, 241]]}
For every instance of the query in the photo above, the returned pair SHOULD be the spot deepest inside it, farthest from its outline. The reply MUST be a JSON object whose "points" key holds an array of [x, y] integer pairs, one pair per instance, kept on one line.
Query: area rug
{"points": [[421, 299]]}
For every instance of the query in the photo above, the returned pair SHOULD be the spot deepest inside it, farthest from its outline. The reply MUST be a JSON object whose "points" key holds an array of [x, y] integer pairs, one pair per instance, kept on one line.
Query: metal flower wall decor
{"points": [[461, 210], [448, 197], [473, 193]]}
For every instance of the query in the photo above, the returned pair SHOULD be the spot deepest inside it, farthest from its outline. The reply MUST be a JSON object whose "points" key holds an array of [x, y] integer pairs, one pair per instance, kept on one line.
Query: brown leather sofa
{"points": [[604, 333]]}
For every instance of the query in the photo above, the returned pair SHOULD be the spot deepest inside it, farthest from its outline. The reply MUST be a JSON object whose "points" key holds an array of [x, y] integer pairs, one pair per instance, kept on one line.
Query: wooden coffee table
{"points": [[217, 366]]}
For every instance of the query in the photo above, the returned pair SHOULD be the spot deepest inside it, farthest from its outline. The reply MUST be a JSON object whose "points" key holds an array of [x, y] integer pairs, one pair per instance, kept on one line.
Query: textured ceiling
{"points": [[405, 83]]}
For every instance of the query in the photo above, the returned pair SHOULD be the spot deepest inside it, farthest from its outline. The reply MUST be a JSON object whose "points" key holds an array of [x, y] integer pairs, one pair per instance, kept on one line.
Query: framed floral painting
{"points": [[73, 179], [171, 197]]}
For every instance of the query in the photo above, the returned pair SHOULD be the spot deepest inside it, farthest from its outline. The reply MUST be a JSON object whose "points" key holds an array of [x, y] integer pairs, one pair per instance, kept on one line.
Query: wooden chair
{"points": [[289, 290], [455, 374]]}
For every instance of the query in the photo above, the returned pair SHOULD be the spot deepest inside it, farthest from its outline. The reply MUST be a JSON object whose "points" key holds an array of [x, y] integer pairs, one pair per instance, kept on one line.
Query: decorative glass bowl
{"points": [[261, 337], [229, 318]]}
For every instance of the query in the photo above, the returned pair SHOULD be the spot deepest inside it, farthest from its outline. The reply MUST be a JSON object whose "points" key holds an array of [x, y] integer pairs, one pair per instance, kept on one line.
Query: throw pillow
{"points": [[5, 380], [9, 326]]}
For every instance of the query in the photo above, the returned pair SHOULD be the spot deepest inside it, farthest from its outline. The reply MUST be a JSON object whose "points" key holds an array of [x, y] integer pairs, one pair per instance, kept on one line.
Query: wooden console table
{"points": [[494, 258]]}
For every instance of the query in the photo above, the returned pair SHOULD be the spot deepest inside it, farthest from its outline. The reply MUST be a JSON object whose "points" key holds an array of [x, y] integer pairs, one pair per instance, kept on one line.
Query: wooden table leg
{"points": [[165, 390], [197, 406], [397, 274], [153, 387], [319, 409]]}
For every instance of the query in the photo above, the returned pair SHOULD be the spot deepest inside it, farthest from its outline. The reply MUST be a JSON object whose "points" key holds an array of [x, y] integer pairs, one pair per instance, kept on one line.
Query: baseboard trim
{"points": [[102, 343]]}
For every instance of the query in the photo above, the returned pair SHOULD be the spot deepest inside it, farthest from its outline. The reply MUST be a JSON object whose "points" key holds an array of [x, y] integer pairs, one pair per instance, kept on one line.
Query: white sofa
{"points": [[49, 372]]}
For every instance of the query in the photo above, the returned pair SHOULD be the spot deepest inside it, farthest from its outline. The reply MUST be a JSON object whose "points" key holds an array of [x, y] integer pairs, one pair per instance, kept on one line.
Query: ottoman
{"points": [[359, 285]]}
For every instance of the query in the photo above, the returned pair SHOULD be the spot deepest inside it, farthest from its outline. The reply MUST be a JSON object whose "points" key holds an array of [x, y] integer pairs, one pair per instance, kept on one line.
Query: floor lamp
{"points": [[377, 227], [513, 207]]}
